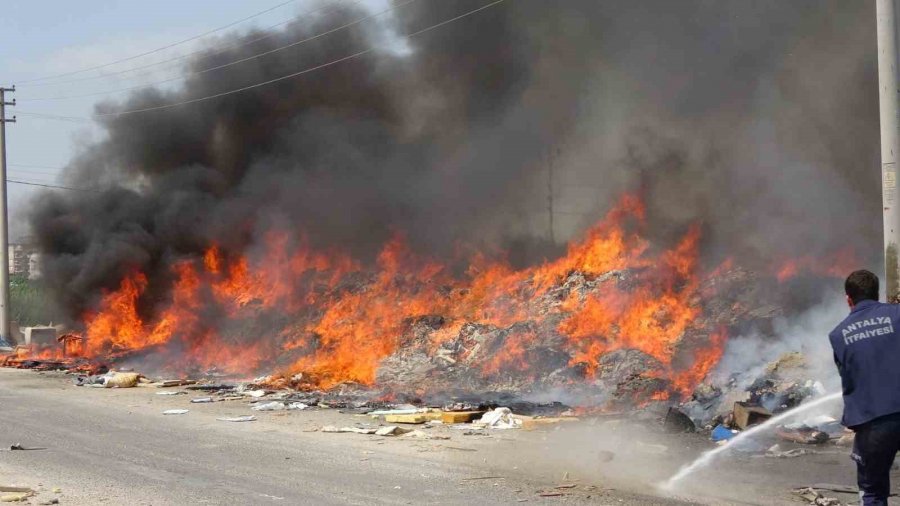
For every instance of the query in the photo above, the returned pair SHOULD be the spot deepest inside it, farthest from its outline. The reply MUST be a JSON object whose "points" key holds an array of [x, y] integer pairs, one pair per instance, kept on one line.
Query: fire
{"points": [[286, 307], [836, 265]]}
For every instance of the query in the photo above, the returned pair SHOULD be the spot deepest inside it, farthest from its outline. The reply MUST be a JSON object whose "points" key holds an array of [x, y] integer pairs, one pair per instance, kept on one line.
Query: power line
{"points": [[257, 85], [163, 48], [224, 65], [264, 83], [76, 119], [217, 51], [58, 187]]}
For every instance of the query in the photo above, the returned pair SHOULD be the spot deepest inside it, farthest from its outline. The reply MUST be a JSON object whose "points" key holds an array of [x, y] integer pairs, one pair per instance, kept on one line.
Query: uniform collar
{"points": [[864, 304]]}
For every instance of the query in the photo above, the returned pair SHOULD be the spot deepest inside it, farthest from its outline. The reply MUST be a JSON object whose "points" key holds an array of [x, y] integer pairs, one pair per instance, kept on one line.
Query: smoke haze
{"points": [[757, 120]]}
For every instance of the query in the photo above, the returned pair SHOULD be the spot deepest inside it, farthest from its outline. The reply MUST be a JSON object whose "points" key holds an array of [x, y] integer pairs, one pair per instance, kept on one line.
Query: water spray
{"points": [[708, 456]]}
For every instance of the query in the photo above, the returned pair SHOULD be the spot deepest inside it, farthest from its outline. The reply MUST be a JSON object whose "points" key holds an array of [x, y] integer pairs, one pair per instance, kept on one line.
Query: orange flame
{"points": [[335, 331]]}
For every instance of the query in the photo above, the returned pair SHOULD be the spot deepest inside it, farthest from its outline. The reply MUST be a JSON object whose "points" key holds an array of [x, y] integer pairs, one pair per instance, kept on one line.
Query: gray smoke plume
{"points": [[756, 119]]}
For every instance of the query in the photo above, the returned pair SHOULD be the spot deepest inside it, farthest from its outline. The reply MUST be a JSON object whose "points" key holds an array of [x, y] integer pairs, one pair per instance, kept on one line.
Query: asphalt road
{"points": [[114, 446]]}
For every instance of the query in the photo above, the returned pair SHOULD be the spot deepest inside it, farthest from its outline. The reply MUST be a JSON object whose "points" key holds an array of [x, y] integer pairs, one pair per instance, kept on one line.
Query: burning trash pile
{"points": [[727, 409], [614, 322]]}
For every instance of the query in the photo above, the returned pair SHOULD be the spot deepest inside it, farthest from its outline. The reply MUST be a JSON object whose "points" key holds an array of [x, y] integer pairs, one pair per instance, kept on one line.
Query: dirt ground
{"points": [[114, 446]]}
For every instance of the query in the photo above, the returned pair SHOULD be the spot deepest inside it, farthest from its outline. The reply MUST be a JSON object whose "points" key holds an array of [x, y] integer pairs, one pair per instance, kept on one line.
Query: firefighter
{"points": [[867, 353]]}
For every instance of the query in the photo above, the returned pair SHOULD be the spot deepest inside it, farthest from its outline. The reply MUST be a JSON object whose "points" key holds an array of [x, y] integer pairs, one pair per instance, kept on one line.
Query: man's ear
{"points": [[850, 302]]}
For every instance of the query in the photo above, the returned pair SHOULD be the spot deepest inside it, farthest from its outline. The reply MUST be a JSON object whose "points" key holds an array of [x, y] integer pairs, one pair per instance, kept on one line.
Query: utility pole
{"points": [[4, 221], [890, 141]]}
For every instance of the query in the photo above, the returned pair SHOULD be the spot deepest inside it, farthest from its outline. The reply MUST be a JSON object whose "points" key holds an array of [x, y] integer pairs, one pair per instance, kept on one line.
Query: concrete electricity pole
{"points": [[4, 222], [888, 94]]}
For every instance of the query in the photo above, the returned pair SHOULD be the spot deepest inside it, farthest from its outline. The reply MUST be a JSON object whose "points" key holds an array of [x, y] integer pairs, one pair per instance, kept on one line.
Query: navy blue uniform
{"points": [[867, 353]]}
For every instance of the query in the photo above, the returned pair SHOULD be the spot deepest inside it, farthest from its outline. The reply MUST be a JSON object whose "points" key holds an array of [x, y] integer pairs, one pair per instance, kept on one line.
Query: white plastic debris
{"points": [[175, 411], [201, 400], [499, 418], [391, 430], [254, 393], [245, 418], [332, 428], [171, 393]]}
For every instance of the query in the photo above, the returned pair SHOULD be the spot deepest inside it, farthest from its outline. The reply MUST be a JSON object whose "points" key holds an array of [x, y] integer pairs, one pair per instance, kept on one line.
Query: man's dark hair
{"points": [[861, 285]]}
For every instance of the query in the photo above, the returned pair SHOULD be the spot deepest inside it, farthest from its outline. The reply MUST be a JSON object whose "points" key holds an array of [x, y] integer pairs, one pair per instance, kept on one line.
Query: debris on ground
{"points": [[246, 418], [776, 451], [175, 383], [499, 418], [722, 433], [15, 494], [357, 430], [201, 400], [451, 417], [16, 497], [121, 379], [412, 418], [746, 415], [175, 411], [279, 406], [391, 430], [421, 434], [802, 435], [676, 421], [814, 497]]}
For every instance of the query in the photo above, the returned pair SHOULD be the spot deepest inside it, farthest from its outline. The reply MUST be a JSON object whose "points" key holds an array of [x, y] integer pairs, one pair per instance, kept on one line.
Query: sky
{"points": [[40, 38]]}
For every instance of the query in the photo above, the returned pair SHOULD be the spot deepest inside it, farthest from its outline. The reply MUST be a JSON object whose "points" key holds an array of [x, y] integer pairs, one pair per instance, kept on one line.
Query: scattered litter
{"points": [[746, 414], [414, 418], [803, 435], [391, 430], [813, 496], [550, 493], [15, 494], [499, 418], [48, 502], [776, 452], [357, 430], [18, 446], [245, 418], [453, 417], [179, 392], [831, 487], [279, 406], [722, 433], [201, 400], [421, 434], [676, 421], [121, 379], [477, 478], [16, 497], [382, 412], [254, 393], [175, 383], [175, 411], [566, 485]]}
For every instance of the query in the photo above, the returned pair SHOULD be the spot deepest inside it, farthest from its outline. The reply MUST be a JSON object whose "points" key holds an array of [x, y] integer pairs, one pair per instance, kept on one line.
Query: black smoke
{"points": [[756, 119]]}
